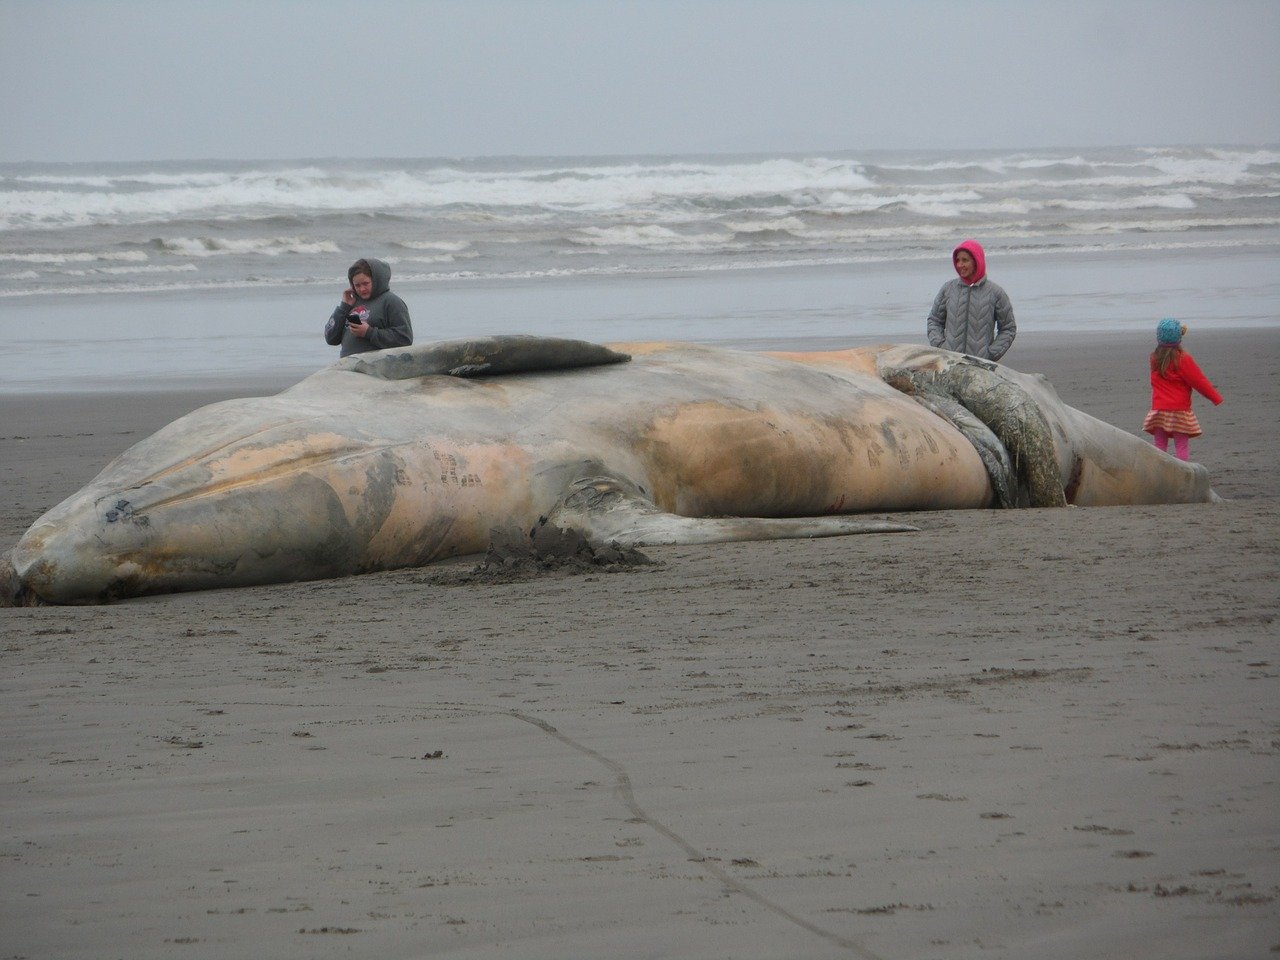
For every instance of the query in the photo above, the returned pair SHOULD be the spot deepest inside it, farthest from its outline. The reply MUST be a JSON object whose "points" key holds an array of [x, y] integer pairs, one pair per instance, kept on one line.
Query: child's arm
{"points": [[1197, 380]]}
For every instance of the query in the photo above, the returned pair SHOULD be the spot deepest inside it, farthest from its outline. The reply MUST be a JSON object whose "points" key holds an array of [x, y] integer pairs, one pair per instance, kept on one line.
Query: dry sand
{"points": [[1035, 734]]}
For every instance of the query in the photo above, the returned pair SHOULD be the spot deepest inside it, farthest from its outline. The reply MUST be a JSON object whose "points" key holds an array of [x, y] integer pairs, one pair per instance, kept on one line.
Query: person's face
{"points": [[965, 265], [362, 284]]}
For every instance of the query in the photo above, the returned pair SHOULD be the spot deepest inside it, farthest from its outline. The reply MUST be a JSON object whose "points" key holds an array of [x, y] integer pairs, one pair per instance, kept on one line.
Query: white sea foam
{"points": [[257, 193], [1173, 225], [942, 201], [616, 269], [126, 271], [222, 246], [1168, 201], [238, 223], [1213, 165], [74, 256], [773, 225], [109, 182], [451, 246], [441, 257], [645, 235]]}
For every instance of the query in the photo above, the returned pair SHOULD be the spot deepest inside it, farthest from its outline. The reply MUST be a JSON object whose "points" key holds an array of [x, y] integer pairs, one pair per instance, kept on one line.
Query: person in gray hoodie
{"points": [[971, 314], [370, 316]]}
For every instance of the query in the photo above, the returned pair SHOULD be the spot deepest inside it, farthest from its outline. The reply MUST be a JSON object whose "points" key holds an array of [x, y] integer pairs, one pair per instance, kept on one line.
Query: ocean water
{"points": [[126, 270]]}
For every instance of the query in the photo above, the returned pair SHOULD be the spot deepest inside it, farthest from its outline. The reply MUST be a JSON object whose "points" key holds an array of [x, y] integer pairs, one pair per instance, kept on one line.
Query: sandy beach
{"points": [[1028, 734]]}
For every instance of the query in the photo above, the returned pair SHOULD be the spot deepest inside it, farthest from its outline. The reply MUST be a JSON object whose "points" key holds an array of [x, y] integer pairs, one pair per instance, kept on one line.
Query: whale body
{"points": [[404, 457]]}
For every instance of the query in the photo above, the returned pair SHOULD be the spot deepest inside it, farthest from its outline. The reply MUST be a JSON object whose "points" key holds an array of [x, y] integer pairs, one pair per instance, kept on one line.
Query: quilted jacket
{"points": [[977, 318]]}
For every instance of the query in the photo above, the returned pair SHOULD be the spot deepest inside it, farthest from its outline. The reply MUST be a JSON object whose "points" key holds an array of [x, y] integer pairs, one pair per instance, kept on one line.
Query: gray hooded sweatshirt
{"points": [[386, 314]]}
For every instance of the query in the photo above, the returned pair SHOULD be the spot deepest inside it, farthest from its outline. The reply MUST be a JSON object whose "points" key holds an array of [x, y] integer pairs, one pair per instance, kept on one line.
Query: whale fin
{"points": [[480, 356], [607, 510]]}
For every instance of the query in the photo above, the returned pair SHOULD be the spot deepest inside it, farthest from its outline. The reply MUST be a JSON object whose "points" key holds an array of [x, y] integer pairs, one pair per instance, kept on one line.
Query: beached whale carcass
{"points": [[408, 456]]}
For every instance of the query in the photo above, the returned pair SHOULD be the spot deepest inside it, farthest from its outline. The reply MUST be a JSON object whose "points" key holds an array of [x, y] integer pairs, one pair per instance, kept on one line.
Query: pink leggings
{"points": [[1181, 442]]}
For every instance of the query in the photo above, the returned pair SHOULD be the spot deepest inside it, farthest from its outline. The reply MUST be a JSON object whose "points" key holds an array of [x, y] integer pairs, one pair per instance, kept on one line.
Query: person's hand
{"points": [[360, 329], [349, 297]]}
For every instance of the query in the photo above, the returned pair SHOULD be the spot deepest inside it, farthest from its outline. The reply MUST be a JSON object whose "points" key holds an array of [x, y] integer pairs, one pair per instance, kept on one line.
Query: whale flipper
{"points": [[607, 510], [481, 356]]}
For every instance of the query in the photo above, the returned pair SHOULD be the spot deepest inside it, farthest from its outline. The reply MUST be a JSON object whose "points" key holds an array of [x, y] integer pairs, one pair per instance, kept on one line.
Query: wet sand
{"points": [[1032, 734]]}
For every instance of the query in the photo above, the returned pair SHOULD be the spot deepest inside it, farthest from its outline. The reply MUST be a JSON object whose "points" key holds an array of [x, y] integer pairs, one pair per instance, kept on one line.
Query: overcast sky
{"points": [[182, 79]]}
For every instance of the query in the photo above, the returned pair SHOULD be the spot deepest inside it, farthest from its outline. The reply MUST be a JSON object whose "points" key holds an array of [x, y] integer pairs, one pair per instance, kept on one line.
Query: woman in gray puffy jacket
{"points": [[971, 314]]}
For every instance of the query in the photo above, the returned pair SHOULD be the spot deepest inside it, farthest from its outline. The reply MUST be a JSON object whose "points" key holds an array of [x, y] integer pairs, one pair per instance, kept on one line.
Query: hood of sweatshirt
{"points": [[979, 259], [381, 271]]}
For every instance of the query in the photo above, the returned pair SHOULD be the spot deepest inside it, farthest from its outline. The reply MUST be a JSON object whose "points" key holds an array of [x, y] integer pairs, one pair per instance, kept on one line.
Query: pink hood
{"points": [[979, 259]]}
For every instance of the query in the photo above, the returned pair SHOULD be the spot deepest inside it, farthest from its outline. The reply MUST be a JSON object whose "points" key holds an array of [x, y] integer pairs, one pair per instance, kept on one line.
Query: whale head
{"points": [[237, 493]]}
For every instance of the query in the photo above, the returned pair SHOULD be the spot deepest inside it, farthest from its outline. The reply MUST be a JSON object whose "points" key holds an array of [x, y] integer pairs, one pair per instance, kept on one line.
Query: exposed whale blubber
{"points": [[409, 456]]}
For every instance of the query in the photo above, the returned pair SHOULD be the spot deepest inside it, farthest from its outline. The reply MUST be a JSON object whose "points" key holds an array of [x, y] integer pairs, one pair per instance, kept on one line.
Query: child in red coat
{"points": [[1173, 376]]}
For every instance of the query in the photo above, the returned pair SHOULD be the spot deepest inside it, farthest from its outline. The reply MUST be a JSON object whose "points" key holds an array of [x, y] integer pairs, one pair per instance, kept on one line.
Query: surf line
{"points": [[622, 780]]}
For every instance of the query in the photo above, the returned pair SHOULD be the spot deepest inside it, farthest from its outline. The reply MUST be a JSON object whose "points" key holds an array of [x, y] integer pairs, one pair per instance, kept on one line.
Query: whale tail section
{"points": [[1003, 422], [1038, 451], [607, 510]]}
